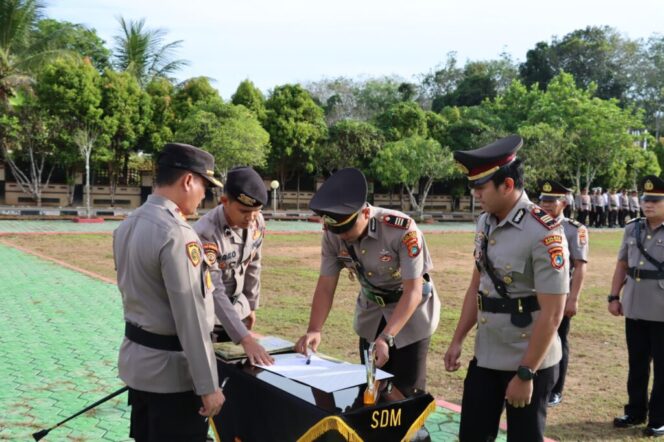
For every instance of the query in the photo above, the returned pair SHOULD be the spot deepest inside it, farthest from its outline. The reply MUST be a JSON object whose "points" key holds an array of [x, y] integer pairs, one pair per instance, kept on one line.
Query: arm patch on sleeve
{"points": [[194, 253], [211, 251], [544, 218], [412, 244], [396, 221]]}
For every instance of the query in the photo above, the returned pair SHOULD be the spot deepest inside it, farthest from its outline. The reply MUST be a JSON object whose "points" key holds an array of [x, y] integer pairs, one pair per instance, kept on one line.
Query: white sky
{"points": [[273, 42]]}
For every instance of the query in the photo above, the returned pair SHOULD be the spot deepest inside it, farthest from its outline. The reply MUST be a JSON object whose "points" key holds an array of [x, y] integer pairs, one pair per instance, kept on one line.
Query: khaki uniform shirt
{"points": [[533, 259], [166, 289], [634, 204], [389, 254], [585, 202], [577, 240], [643, 299], [614, 201], [624, 202], [235, 255]]}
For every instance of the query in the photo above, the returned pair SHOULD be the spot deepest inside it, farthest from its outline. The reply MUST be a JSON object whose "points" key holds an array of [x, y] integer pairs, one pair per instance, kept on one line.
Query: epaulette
{"points": [[633, 219], [544, 218], [574, 222], [396, 221]]}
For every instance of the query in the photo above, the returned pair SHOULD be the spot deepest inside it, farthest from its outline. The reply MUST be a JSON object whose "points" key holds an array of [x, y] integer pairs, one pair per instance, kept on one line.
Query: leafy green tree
{"points": [[161, 126], [250, 97], [231, 133], [599, 129], [296, 126], [595, 54], [75, 38], [350, 143], [25, 143], [127, 112], [71, 94], [415, 162], [403, 120], [21, 53], [143, 53], [192, 92]]}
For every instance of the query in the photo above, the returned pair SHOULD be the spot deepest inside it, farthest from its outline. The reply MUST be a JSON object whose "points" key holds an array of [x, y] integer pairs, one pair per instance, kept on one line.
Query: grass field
{"points": [[595, 390]]}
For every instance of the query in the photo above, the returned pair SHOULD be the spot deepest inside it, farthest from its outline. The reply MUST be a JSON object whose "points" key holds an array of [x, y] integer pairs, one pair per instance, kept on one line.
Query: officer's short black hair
{"points": [[167, 175], [513, 170]]}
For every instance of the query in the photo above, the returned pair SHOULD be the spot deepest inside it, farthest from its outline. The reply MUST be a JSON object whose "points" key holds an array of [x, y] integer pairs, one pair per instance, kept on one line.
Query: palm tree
{"points": [[18, 19], [142, 53]]}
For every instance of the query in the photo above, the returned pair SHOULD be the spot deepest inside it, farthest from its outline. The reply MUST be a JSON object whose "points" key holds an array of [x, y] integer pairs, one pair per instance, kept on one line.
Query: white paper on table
{"points": [[322, 374]]}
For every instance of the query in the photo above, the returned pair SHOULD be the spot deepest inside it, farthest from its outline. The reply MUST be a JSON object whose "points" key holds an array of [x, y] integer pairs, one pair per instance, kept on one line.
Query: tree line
{"points": [[589, 106]]}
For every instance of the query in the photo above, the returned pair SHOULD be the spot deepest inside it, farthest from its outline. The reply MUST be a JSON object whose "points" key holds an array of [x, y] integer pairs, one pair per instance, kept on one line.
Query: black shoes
{"points": [[627, 421], [555, 399], [653, 431]]}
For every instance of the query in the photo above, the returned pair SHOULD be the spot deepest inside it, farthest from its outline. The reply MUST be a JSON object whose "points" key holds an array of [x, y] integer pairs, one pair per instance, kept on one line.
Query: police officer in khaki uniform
{"points": [[232, 236], [397, 307], [624, 208], [634, 205], [640, 268], [585, 211], [552, 200], [166, 357], [515, 299]]}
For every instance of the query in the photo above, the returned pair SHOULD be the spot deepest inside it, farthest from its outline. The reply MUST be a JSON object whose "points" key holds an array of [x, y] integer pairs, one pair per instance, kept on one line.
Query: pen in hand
{"points": [[309, 357]]}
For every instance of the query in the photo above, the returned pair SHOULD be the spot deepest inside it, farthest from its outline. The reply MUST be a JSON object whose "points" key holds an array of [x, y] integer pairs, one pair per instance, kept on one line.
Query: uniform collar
{"points": [[516, 215], [226, 230], [158, 200], [372, 227]]}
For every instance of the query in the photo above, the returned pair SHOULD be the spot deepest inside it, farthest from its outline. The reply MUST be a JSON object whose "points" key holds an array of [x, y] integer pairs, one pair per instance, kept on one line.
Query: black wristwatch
{"points": [[524, 373], [389, 339], [612, 298]]}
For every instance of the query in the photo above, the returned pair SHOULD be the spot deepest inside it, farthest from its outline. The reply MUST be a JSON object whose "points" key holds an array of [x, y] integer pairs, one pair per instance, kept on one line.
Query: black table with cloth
{"points": [[264, 406]]}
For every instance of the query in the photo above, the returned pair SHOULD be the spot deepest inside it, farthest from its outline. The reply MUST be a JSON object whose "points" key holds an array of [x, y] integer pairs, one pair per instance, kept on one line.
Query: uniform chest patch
{"points": [[544, 218], [384, 256], [194, 253], [552, 239], [396, 221]]}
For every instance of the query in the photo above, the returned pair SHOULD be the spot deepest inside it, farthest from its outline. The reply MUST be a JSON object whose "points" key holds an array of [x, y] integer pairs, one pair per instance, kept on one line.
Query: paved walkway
{"points": [[61, 333]]}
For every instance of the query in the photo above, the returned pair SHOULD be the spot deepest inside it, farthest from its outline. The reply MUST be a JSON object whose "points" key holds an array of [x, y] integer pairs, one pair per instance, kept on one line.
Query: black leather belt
{"points": [[152, 340], [511, 305], [636, 273]]}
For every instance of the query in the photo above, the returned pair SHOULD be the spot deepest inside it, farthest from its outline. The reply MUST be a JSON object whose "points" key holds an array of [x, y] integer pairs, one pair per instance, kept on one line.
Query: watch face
{"points": [[524, 373]]}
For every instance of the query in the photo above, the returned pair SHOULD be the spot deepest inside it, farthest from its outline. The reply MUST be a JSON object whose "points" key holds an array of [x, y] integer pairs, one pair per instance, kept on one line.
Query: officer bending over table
{"points": [[232, 236], [397, 307]]}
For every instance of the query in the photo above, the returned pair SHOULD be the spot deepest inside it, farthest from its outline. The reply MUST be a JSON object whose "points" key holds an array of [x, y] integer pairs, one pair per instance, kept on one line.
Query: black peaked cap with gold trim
{"points": [[246, 186], [340, 198], [481, 164], [191, 158], [653, 188], [552, 190]]}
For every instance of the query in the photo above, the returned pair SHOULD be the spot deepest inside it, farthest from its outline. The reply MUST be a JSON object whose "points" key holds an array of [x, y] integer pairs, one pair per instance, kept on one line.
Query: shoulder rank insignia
{"points": [[518, 216], [574, 222], [633, 219], [543, 218], [396, 221], [194, 253]]}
